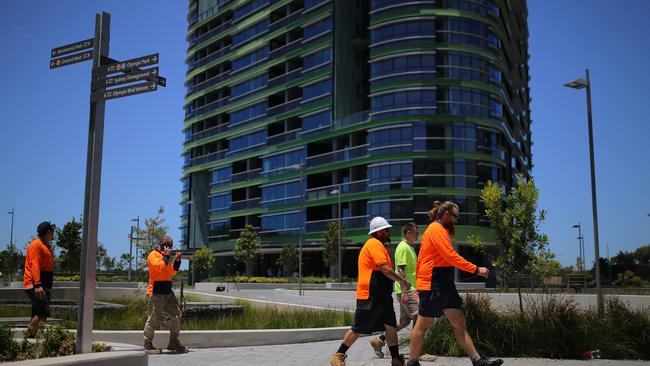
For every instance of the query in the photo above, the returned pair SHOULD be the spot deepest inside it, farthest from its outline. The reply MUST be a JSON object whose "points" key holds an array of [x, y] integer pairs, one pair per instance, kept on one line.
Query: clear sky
{"points": [[44, 119]]}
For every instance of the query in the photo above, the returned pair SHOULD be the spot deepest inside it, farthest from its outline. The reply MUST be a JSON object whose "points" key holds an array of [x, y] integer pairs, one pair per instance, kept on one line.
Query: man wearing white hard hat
{"points": [[374, 294]]}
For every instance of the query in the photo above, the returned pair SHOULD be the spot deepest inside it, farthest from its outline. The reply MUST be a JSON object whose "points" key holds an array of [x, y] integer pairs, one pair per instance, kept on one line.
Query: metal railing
{"points": [[208, 158], [358, 186], [191, 88], [247, 175], [283, 137], [208, 107], [338, 155], [206, 133], [353, 222], [211, 33], [245, 204]]}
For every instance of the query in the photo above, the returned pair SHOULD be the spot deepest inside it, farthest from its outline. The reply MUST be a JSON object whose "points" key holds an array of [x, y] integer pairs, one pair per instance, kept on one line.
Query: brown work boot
{"points": [[176, 347], [377, 344], [338, 359], [148, 346], [399, 361], [427, 357]]}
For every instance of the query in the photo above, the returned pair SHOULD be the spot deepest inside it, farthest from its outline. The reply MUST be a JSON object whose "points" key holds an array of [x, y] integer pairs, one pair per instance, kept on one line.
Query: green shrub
{"points": [[628, 279], [9, 349], [553, 327]]}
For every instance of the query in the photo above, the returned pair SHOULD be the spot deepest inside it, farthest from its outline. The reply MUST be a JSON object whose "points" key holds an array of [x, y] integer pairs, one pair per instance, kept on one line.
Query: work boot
{"points": [[413, 363], [377, 344], [176, 347], [338, 359], [484, 361], [398, 361], [427, 357], [148, 346]]}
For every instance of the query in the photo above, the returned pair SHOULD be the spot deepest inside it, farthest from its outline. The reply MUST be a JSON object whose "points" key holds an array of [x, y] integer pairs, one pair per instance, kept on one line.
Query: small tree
{"points": [[149, 236], [202, 260], [69, 240], [10, 260], [515, 222], [288, 258], [544, 265], [331, 247], [247, 248]]}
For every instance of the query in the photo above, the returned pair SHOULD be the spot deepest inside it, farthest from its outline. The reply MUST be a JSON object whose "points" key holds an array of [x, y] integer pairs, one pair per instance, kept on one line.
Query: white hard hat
{"points": [[377, 224]]}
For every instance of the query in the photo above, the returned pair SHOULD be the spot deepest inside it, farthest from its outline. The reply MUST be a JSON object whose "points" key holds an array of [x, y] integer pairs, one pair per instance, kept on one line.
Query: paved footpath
{"points": [[318, 353]]}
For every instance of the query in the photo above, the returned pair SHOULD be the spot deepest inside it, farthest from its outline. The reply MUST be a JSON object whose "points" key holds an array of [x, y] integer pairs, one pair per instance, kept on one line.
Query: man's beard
{"points": [[450, 227]]}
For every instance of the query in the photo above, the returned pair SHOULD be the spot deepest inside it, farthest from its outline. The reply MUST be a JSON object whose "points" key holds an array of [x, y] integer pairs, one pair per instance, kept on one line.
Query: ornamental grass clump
{"points": [[550, 327]]}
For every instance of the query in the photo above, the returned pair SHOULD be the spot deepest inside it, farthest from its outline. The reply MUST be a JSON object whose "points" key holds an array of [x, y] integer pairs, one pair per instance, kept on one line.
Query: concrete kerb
{"points": [[122, 358], [203, 338]]}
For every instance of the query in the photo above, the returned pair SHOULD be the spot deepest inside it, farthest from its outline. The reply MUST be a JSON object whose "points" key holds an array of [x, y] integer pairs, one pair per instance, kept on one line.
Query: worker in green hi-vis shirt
{"points": [[405, 262]]}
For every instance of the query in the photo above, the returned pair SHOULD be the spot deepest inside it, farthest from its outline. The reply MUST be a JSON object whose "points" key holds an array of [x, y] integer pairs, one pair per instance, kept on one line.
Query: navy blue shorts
{"points": [[40, 306], [372, 315], [432, 302]]}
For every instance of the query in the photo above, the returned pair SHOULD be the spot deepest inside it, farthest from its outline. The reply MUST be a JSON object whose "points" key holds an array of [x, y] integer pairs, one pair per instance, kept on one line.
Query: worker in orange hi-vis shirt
{"points": [[39, 275], [375, 310], [161, 296], [436, 287]]}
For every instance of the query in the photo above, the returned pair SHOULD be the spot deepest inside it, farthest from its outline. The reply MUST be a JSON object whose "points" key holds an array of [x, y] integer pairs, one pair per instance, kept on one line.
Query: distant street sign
{"points": [[125, 91], [72, 59], [129, 65], [73, 47], [132, 76]]}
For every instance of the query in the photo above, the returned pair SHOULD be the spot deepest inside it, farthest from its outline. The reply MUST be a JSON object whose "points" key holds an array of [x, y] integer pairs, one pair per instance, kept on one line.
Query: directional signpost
{"points": [[121, 72]]}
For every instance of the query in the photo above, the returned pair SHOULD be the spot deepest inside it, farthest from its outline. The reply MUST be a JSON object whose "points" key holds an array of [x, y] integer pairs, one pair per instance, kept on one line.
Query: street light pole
{"points": [[337, 191], [137, 219], [580, 84], [302, 225], [581, 250], [11, 237]]}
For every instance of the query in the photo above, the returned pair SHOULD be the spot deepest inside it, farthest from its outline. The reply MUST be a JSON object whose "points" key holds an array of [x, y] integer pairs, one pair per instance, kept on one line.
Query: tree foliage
{"points": [[247, 247], [149, 236], [202, 260], [68, 239], [515, 222], [288, 257], [11, 259], [331, 246]]}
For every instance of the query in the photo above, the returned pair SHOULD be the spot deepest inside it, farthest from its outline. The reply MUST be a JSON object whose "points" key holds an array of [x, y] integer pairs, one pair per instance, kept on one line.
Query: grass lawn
{"points": [[134, 314]]}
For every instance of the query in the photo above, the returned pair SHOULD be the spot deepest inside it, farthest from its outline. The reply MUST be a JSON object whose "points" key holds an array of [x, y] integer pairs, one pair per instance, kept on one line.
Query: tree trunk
{"points": [[521, 305], [334, 269]]}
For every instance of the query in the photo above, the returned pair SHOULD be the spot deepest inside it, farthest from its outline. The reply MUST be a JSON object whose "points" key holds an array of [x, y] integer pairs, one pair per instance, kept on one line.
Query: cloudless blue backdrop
{"points": [[44, 119]]}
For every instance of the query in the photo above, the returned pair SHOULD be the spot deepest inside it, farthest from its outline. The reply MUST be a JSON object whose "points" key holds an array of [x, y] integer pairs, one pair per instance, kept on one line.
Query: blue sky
{"points": [[44, 119]]}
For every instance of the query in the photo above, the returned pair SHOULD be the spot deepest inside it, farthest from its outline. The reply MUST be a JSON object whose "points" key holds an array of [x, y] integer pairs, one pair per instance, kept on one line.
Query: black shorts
{"points": [[432, 302], [40, 307], [372, 315]]}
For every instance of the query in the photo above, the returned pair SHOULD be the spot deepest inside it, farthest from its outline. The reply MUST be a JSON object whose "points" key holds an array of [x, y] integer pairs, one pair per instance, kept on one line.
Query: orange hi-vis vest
{"points": [[160, 274], [436, 252], [372, 284], [39, 265]]}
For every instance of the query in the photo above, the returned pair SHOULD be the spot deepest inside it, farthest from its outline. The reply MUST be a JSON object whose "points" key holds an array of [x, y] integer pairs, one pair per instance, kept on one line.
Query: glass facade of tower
{"points": [[393, 103]]}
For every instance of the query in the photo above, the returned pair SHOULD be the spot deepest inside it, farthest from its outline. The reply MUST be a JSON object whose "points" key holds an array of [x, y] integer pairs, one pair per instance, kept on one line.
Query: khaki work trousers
{"points": [[157, 304]]}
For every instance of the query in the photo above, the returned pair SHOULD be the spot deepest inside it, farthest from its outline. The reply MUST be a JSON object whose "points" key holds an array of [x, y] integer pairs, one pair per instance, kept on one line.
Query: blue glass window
{"points": [[397, 139], [219, 229], [277, 162], [248, 85], [247, 141], [247, 113], [400, 30], [220, 203], [281, 222], [391, 175], [465, 101], [317, 58], [220, 177], [248, 8], [317, 28], [413, 98], [249, 59], [250, 32], [317, 89], [404, 64], [316, 121], [312, 3], [281, 191]]}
